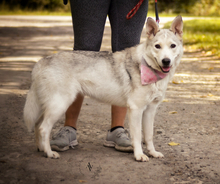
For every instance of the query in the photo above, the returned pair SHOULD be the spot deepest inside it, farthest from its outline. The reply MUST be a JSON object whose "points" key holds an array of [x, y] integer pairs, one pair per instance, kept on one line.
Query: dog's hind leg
{"points": [[44, 137], [37, 134], [148, 129], [54, 109]]}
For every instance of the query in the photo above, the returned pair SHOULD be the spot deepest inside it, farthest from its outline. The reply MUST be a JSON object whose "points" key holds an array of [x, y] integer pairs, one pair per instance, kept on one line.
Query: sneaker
{"points": [[119, 139], [64, 139]]}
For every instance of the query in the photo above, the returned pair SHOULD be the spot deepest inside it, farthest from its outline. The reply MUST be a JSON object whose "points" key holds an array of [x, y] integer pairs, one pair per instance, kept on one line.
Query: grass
{"points": [[203, 35]]}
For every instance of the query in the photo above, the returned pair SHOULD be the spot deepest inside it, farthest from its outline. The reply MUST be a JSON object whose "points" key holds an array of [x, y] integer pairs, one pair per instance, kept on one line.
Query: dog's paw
{"points": [[53, 154], [156, 154], [142, 158]]}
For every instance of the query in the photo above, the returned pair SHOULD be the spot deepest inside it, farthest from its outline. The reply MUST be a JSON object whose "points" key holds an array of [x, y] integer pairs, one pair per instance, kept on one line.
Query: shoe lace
{"points": [[61, 133], [124, 134], [72, 145]]}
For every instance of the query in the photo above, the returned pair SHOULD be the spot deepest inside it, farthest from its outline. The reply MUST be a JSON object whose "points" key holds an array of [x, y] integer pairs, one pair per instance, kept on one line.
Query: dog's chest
{"points": [[157, 92], [146, 95], [156, 96]]}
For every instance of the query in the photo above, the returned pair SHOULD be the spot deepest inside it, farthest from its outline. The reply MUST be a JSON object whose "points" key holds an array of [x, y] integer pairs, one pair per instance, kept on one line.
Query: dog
{"points": [[136, 78]]}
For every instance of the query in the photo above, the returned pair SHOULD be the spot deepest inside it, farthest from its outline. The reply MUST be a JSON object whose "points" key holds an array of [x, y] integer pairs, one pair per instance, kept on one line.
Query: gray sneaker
{"points": [[64, 139], [119, 139]]}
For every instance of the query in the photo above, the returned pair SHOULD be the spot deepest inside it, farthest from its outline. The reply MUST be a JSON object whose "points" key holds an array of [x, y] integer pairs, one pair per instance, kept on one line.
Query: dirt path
{"points": [[189, 116]]}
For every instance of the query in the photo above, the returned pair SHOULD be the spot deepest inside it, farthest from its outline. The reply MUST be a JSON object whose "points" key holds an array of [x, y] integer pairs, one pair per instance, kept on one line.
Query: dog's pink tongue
{"points": [[167, 69]]}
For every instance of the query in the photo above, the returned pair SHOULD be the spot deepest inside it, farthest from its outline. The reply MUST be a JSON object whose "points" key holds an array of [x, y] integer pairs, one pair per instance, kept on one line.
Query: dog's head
{"points": [[164, 47]]}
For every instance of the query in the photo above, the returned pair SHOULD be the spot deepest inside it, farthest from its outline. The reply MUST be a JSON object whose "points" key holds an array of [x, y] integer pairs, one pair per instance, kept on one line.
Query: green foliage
{"points": [[173, 6], [206, 8], [192, 7], [202, 34], [33, 5]]}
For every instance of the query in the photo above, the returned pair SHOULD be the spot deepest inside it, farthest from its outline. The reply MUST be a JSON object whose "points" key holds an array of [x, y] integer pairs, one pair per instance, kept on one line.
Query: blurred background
{"points": [[201, 31], [190, 7]]}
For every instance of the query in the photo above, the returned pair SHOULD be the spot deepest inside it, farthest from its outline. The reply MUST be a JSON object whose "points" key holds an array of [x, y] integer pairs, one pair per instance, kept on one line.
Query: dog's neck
{"points": [[150, 75]]}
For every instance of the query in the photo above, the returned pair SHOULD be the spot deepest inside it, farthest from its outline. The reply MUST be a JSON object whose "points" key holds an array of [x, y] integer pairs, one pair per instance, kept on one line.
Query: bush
{"points": [[33, 5], [193, 7], [173, 6], [206, 8]]}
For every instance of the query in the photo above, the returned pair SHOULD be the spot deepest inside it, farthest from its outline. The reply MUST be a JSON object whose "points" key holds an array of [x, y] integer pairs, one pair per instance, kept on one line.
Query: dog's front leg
{"points": [[135, 126], [148, 129]]}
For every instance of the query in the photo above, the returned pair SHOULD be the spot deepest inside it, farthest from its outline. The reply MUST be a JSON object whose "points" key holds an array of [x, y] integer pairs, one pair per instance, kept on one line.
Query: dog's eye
{"points": [[172, 46], [157, 46]]}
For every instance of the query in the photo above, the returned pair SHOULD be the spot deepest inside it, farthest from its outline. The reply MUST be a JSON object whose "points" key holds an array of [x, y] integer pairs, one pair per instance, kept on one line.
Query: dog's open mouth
{"points": [[165, 69]]}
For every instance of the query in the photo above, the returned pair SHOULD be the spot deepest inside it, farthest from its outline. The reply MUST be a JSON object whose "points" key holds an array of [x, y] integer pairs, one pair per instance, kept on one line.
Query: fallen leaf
{"points": [[208, 53], [172, 112], [203, 96], [206, 96], [210, 94], [173, 144], [165, 100], [210, 68], [82, 181], [175, 82]]}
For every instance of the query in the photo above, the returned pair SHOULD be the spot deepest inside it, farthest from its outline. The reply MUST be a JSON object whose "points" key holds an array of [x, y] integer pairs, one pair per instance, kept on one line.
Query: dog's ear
{"points": [[177, 26], [151, 27]]}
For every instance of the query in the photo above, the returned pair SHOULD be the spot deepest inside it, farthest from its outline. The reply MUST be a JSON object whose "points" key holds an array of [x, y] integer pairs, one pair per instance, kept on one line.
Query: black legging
{"points": [[89, 18]]}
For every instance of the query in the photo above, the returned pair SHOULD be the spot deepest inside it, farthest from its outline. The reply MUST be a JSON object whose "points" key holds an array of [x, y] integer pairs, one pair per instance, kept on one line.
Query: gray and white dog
{"points": [[135, 78]]}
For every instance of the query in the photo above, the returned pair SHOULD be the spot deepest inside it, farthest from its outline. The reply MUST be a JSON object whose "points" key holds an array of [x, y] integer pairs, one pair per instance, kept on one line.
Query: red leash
{"points": [[135, 9]]}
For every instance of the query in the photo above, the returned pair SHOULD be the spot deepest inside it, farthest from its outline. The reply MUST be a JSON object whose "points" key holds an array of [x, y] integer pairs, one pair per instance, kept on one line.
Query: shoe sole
{"points": [[112, 144], [57, 148]]}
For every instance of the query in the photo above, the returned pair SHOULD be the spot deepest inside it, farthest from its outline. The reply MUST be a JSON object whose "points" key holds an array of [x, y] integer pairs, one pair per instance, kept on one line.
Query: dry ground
{"points": [[189, 116]]}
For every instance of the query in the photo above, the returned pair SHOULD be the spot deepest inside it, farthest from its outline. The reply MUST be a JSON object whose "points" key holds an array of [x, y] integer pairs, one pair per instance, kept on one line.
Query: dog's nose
{"points": [[166, 61]]}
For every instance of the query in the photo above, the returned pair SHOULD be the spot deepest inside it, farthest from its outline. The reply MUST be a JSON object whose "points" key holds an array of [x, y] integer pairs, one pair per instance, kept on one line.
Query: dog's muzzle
{"points": [[166, 65]]}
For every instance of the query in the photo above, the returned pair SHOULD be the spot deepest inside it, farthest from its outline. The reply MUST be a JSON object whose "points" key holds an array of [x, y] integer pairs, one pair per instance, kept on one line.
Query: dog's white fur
{"points": [[109, 77]]}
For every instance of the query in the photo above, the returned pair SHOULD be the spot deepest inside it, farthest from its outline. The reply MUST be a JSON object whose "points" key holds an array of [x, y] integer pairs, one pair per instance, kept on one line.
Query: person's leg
{"points": [[117, 136], [88, 19], [118, 116], [73, 111], [125, 33], [88, 24]]}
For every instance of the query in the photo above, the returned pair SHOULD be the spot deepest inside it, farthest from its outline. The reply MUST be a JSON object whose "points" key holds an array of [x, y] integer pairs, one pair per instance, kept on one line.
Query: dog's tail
{"points": [[31, 109]]}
